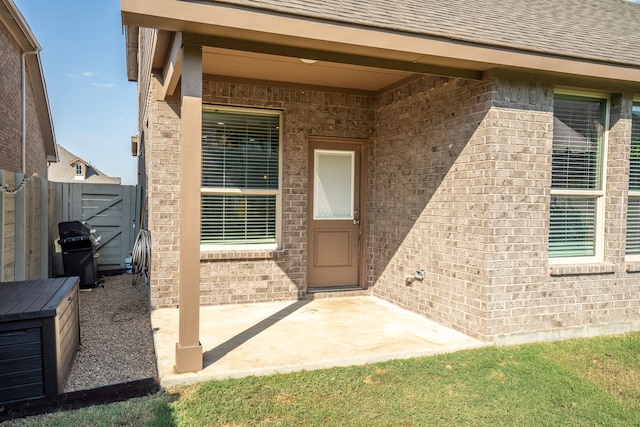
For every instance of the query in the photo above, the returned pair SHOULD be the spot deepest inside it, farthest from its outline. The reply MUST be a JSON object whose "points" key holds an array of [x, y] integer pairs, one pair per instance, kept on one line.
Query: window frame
{"points": [[631, 194], [211, 247], [316, 178], [598, 194]]}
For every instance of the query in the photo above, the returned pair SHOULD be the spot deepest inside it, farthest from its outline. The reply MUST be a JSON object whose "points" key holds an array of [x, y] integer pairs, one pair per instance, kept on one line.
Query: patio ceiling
{"points": [[346, 67], [257, 66]]}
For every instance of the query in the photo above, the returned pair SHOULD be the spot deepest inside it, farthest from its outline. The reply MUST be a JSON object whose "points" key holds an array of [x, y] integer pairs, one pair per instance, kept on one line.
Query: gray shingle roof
{"points": [[600, 30], [63, 171]]}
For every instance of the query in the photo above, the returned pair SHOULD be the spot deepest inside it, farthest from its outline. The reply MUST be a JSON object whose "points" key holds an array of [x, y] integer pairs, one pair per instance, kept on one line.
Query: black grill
{"points": [[78, 242]]}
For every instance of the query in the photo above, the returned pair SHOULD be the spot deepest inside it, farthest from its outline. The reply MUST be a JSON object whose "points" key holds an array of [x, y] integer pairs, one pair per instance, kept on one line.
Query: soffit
{"points": [[256, 66]]}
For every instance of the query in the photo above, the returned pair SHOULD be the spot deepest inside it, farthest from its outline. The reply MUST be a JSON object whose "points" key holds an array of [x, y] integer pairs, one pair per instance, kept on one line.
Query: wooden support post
{"points": [[188, 348]]}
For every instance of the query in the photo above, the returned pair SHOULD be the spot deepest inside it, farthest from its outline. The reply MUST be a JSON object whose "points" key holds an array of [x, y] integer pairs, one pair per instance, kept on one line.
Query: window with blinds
{"points": [[633, 208], [240, 177], [573, 223], [577, 191]]}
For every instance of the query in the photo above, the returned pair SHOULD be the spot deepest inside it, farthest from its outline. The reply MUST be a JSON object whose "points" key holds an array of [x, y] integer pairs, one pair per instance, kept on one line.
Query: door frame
{"points": [[364, 187]]}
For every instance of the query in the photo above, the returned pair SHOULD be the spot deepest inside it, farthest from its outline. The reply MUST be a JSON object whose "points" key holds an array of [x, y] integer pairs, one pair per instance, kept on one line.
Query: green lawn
{"points": [[585, 382]]}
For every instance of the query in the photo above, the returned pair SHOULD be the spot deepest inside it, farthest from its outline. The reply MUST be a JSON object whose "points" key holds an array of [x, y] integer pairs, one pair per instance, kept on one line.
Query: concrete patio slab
{"points": [[279, 337]]}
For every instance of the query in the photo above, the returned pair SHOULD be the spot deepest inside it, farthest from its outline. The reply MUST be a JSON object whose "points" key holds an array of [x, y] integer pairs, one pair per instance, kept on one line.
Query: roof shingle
{"points": [[64, 171], [598, 30]]}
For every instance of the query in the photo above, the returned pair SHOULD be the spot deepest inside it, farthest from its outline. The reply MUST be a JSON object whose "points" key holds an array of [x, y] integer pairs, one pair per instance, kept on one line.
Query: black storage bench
{"points": [[39, 337]]}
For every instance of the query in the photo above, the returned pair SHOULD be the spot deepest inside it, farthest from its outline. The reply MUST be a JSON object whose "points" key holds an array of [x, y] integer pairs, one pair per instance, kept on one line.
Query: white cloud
{"points": [[82, 75], [89, 75], [103, 84]]}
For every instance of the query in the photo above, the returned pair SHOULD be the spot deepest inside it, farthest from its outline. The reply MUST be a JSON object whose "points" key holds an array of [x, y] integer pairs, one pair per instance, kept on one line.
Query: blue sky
{"points": [[94, 106]]}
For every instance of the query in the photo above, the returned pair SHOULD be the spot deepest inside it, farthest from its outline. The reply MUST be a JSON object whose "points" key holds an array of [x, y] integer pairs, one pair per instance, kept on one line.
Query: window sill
{"points": [[581, 269], [238, 255]]}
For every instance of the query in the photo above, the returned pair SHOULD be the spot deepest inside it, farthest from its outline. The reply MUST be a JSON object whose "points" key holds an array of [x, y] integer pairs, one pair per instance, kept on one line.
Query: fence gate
{"points": [[112, 210]]}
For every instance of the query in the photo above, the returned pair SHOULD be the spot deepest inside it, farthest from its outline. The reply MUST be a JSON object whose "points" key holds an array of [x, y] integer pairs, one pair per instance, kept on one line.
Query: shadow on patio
{"points": [[278, 337]]}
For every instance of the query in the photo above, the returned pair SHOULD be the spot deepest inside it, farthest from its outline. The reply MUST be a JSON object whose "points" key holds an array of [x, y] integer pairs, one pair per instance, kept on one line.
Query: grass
{"points": [[584, 382]]}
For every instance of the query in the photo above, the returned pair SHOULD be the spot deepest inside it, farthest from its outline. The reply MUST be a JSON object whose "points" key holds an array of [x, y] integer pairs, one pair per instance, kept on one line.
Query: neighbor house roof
{"points": [[64, 171], [600, 30], [11, 17]]}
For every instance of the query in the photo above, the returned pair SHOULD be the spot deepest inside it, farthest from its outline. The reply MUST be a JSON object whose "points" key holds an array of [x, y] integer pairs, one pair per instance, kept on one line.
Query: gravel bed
{"points": [[115, 331]]}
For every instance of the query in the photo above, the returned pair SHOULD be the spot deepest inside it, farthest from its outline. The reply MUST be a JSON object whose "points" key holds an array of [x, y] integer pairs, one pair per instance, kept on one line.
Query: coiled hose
{"points": [[141, 255]]}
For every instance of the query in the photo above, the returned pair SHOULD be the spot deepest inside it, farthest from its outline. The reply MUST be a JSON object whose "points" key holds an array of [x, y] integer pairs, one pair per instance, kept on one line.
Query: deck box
{"points": [[39, 337]]}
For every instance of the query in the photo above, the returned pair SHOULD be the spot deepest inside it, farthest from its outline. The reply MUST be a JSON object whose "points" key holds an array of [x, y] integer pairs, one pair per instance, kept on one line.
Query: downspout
{"points": [[24, 108]]}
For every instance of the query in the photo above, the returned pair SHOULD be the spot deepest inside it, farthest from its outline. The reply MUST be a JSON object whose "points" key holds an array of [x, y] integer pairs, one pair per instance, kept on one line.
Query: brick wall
{"points": [[531, 300], [162, 155], [11, 113], [429, 204], [462, 190], [11, 106], [245, 276], [521, 122]]}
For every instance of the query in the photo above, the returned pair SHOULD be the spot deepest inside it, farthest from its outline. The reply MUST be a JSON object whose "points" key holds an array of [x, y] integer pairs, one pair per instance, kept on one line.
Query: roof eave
{"points": [[79, 160], [295, 36], [131, 38], [17, 26], [42, 107]]}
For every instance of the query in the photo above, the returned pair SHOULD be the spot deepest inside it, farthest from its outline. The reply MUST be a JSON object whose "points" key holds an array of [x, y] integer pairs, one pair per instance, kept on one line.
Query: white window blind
{"points": [[577, 131], [633, 226], [633, 209], [573, 223], [576, 178], [237, 219], [240, 177]]}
